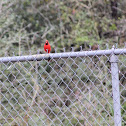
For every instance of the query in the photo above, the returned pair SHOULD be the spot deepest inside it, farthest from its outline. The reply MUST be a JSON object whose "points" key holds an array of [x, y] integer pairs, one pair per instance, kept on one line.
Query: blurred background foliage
{"points": [[26, 24], [64, 85]]}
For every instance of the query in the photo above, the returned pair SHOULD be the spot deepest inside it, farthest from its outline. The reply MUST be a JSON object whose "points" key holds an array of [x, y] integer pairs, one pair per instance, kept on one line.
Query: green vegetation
{"points": [[68, 91]]}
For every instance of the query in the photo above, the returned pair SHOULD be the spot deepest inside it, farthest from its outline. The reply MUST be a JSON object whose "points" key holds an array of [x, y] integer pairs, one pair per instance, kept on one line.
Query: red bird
{"points": [[47, 47]]}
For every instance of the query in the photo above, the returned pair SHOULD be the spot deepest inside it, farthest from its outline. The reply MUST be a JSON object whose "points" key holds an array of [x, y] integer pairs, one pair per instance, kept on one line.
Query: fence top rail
{"points": [[39, 57]]}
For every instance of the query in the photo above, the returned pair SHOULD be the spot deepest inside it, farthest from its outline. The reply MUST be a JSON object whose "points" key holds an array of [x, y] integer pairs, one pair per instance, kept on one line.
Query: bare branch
{"points": [[47, 31], [45, 18]]}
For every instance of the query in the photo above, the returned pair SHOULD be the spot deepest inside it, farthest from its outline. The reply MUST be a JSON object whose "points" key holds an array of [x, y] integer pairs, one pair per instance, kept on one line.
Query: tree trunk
{"points": [[114, 6]]}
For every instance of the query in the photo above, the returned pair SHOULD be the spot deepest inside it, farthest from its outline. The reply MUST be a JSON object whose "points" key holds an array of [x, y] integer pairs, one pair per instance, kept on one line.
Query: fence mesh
{"points": [[65, 91]]}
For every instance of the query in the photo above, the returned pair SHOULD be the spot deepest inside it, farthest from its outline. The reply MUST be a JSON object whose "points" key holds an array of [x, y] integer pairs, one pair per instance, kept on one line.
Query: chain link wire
{"points": [[71, 91]]}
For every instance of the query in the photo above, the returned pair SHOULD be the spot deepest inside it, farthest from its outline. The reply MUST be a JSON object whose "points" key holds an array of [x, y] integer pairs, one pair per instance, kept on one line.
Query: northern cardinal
{"points": [[47, 47]]}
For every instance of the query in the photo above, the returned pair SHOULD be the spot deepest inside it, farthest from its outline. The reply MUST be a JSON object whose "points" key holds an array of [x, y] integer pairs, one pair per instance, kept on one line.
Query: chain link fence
{"points": [[72, 88]]}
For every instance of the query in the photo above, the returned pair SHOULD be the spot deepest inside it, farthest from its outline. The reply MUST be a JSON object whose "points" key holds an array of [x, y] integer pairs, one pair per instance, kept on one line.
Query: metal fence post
{"points": [[115, 89]]}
